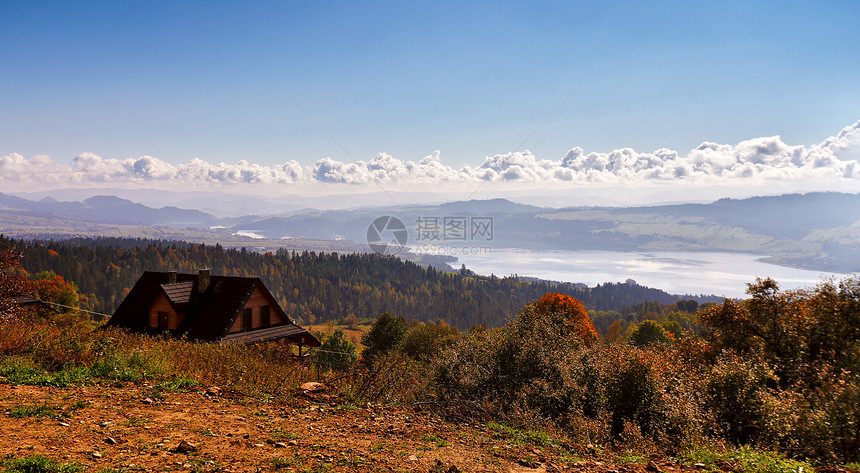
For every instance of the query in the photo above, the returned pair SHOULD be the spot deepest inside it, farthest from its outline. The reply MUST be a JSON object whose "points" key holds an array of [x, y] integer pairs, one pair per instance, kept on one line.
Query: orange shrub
{"points": [[572, 309]]}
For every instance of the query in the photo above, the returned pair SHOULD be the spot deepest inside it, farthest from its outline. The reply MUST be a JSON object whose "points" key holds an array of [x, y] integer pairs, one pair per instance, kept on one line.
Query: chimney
{"points": [[171, 276], [202, 280]]}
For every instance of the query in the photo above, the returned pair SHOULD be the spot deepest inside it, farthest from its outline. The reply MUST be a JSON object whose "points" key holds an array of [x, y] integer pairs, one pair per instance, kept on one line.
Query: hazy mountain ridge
{"points": [[106, 209], [819, 231]]}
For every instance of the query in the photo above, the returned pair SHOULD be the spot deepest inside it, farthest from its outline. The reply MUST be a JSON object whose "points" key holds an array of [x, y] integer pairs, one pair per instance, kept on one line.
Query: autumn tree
{"points": [[803, 334], [613, 332], [13, 282], [568, 311], [810, 339], [648, 333], [50, 287]]}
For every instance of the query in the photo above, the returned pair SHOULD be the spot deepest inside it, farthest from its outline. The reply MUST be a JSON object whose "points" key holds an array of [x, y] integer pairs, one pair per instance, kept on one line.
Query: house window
{"points": [[246, 319], [162, 320], [265, 320]]}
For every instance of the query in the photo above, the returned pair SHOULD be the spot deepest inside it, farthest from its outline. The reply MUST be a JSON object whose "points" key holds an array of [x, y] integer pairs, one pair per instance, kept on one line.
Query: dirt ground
{"points": [[136, 428]]}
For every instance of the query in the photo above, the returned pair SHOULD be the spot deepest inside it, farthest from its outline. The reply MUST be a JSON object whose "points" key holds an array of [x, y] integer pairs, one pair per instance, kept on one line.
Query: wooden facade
{"points": [[258, 303], [160, 305]]}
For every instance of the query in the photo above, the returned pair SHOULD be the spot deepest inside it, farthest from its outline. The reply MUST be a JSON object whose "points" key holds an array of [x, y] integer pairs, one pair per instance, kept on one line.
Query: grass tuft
{"points": [[38, 464]]}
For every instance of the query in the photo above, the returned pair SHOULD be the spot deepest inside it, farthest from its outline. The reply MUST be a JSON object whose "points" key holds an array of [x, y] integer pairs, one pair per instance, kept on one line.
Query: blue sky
{"points": [[251, 81]]}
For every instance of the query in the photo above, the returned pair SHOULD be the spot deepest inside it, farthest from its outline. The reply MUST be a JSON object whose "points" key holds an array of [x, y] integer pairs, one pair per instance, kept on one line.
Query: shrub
{"points": [[336, 353], [735, 397], [426, 341], [385, 334], [543, 365]]}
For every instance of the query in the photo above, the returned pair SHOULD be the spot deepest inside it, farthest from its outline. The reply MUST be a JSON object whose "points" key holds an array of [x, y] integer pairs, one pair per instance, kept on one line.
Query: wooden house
{"points": [[207, 308]]}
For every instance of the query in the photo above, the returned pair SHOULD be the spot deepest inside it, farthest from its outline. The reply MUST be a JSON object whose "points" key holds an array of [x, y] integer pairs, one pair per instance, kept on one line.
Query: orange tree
{"points": [[50, 287], [565, 310]]}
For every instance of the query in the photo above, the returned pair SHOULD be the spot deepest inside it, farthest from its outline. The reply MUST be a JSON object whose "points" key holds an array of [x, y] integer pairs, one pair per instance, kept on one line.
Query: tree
{"points": [[571, 310], [802, 334], [649, 333], [50, 287], [13, 282], [385, 334], [613, 332], [336, 353], [351, 321]]}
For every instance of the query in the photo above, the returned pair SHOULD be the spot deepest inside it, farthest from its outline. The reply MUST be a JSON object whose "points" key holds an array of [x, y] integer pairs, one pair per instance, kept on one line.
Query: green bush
{"points": [[648, 333], [385, 334], [426, 341], [336, 353], [736, 398]]}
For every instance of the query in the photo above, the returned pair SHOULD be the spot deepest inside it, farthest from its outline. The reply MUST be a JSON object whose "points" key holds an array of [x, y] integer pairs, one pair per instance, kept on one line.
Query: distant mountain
{"points": [[786, 216], [487, 207], [106, 209], [819, 231]]}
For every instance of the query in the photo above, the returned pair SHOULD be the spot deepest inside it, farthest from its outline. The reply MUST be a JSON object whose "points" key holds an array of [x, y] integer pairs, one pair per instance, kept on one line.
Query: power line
{"points": [[75, 308]]}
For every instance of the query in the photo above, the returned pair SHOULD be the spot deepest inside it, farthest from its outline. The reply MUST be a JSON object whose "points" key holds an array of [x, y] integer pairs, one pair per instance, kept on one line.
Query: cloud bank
{"points": [[755, 161]]}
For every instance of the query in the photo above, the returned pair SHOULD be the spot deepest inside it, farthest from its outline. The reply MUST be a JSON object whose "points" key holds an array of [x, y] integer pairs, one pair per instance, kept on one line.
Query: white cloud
{"points": [[91, 169], [755, 161]]}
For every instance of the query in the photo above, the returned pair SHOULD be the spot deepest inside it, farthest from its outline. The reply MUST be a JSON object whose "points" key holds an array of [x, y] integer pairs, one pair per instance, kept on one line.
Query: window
{"points": [[162, 320], [265, 320], [246, 319]]}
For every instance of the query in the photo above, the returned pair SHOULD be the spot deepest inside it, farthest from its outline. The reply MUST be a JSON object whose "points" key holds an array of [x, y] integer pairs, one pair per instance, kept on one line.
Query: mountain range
{"points": [[819, 231]]}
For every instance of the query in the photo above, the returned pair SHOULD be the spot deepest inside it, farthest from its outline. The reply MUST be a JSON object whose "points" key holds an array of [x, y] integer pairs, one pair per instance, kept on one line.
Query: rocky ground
{"points": [[143, 428]]}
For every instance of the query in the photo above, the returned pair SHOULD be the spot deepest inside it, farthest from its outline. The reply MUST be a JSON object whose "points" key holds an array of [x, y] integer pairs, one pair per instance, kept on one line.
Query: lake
{"points": [[676, 272]]}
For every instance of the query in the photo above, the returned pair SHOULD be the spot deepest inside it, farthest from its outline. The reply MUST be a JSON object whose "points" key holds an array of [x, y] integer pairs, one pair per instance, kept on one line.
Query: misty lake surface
{"points": [[676, 272]]}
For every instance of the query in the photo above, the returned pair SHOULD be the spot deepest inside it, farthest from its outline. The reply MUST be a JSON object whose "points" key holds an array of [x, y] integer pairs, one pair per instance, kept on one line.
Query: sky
{"points": [[340, 97]]}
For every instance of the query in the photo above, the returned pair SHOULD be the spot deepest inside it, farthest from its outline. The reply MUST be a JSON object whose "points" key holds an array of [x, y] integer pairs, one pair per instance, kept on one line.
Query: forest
{"points": [[313, 287]]}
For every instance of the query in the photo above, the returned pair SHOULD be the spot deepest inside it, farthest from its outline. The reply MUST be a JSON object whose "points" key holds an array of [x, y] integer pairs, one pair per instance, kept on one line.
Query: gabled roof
{"points": [[178, 294], [208, 316]]}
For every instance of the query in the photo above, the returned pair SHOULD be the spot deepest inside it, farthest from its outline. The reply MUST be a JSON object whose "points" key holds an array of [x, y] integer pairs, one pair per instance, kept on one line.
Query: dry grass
{"points": [[45, 353]]}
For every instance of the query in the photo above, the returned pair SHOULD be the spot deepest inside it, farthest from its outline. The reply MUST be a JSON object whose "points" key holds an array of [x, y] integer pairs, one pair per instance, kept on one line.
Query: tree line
{"points": [[313, 287]]}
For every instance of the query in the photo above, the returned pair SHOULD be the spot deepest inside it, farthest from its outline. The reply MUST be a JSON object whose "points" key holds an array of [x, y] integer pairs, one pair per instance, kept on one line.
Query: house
{"points": [[207, 308]]}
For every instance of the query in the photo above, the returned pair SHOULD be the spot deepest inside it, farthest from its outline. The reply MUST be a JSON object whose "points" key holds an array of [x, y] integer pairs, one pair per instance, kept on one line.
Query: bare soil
{"points": [[136, 428]]}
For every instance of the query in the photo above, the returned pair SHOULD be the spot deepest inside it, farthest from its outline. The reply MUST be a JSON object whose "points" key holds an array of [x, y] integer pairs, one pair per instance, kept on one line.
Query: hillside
{"points": [[314, 287]]}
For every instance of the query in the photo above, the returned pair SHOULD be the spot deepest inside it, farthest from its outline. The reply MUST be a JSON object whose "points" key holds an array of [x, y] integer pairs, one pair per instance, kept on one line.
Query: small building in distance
{"points": [[207, 308]]}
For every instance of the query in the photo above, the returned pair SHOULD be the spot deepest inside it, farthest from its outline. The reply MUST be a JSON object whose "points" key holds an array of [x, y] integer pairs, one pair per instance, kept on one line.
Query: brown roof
{"points": [[178, 293], [210, 315], [292, 332]]}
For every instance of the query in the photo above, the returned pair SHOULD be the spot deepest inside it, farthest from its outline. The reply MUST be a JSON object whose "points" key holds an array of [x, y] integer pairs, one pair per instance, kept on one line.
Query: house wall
{"points": [[161, 304], [257, 300]]}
